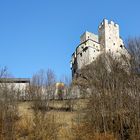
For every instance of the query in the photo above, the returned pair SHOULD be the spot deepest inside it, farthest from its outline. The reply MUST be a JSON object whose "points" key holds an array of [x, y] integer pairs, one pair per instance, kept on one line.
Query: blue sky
{"points": [[42, 34]]}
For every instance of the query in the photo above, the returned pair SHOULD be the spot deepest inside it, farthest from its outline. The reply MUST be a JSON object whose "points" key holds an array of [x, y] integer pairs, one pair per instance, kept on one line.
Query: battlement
{"points": [[105, 23]]}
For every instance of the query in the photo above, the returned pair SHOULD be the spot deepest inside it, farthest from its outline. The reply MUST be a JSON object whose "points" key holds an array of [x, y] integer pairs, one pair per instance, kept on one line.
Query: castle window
{"points": [[81, 54], [121, 46], [113, 43], [84, 49]]}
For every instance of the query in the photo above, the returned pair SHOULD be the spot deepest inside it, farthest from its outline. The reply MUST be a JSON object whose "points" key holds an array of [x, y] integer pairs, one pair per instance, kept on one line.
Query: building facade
{"points": [[18, 85], [91, 46]]}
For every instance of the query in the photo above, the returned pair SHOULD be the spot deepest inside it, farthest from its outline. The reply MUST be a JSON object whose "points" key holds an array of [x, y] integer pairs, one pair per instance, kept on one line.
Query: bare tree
{"points": [[114, 101], [42, 88], [42, 91], [8, 108], [133, 45]]}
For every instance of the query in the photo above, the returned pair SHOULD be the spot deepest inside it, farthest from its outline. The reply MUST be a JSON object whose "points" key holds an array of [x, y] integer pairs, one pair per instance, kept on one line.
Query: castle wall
{"points": [[82, 55], [89, 46], [94, 51], [88, 35]]}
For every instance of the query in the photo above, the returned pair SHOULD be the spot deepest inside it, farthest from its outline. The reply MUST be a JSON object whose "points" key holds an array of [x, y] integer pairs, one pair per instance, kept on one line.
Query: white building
{"points": [[18, 85], [91, 46]]}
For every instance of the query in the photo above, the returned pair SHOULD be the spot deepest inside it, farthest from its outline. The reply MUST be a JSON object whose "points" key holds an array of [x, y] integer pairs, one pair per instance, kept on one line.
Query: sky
{"points": [[42, 34]]}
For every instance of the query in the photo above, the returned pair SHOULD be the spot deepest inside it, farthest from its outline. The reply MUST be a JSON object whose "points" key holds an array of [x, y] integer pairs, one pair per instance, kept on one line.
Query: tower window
{"points": [[113, 43], [81, 54], [121, 46], [84, 50]]}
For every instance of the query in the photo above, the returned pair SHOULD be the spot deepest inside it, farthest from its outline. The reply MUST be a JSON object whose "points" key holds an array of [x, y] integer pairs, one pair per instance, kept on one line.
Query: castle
{"points": [[91, 46]]}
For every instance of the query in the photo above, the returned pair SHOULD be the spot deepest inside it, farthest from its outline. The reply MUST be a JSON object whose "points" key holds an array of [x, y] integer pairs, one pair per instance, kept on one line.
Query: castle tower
{"points": [[109, 38]]}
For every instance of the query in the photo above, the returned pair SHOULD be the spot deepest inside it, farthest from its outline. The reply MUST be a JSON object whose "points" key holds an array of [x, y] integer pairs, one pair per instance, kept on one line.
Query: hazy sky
{"points": [[42, 34]]}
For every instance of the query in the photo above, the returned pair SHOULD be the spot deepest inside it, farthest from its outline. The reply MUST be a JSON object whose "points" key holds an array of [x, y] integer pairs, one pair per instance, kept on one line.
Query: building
{"points": [[91, 46], [18, 85]]}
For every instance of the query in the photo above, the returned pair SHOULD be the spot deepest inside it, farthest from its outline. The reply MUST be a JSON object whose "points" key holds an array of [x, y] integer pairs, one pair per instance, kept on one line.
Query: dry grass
{"points": [[65, 123], [62, 120], [83, 132]]}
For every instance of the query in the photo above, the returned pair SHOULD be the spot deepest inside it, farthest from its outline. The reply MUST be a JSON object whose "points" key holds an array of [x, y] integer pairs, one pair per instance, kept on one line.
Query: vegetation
{"points": [[114, 88], [108, 110]]}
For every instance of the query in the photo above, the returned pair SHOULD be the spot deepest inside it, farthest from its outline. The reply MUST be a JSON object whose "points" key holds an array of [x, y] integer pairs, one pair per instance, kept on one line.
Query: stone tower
{"points": [[109, 38]]}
